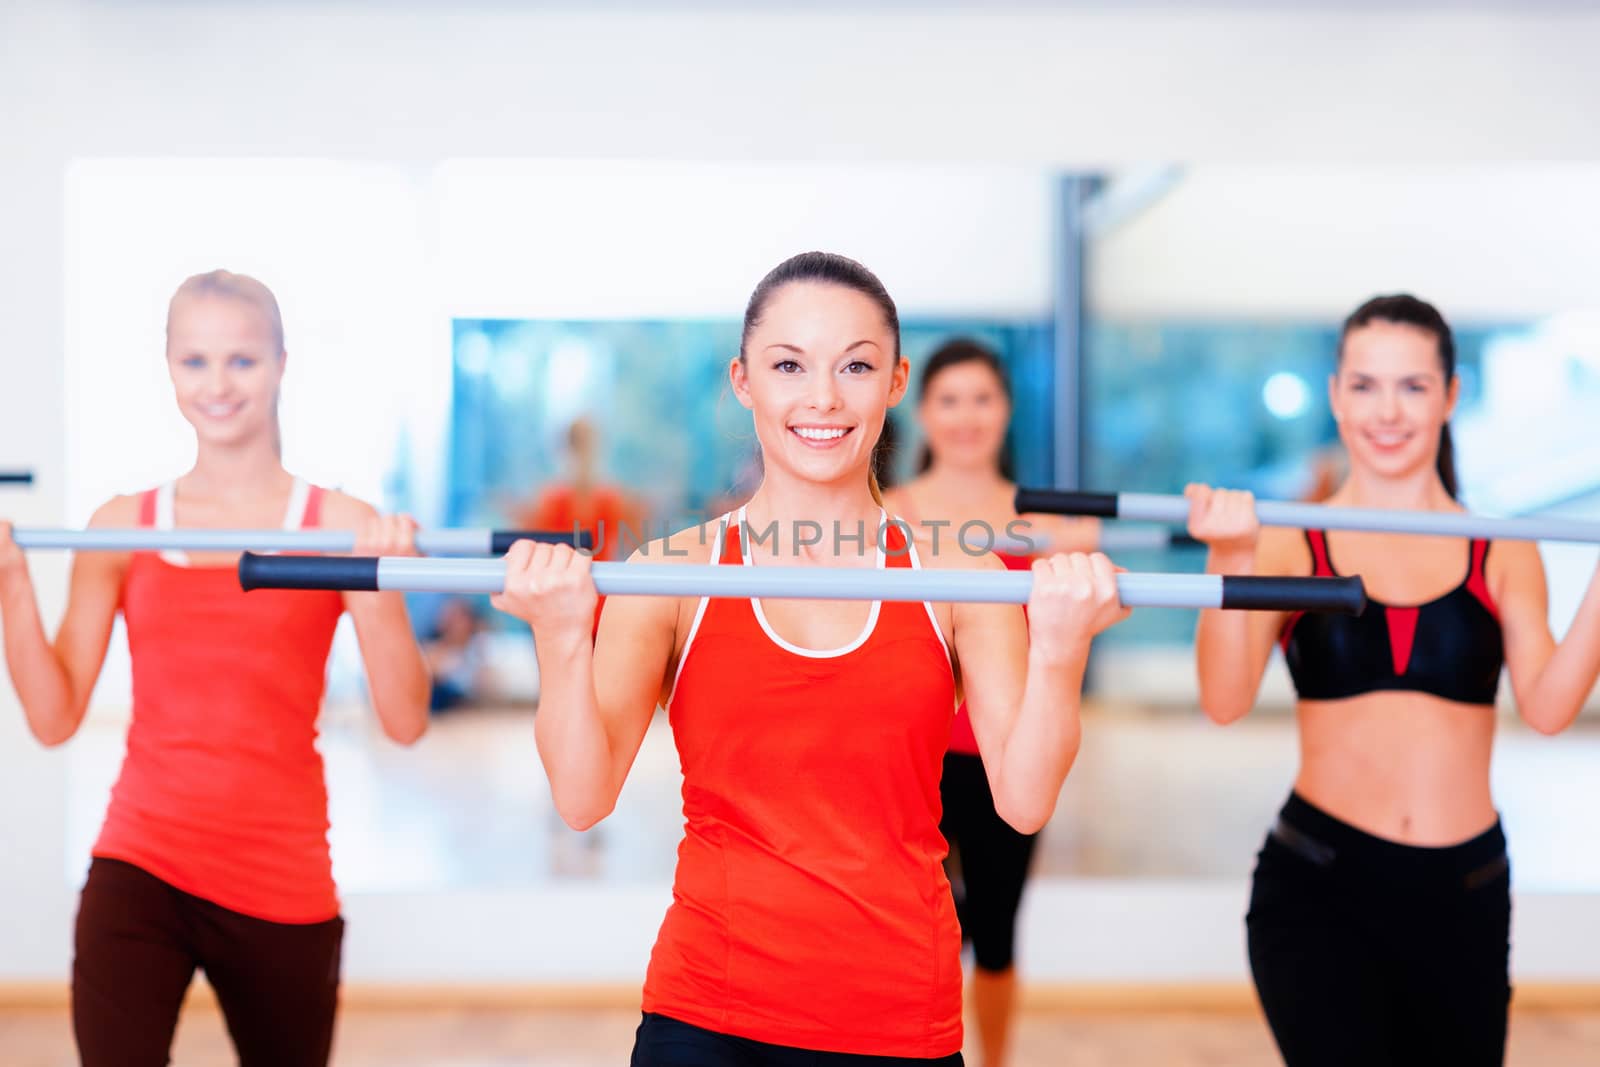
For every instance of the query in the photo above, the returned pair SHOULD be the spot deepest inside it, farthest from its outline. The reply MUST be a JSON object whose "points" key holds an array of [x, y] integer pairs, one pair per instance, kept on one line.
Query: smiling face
{"points": [[1391, 399], [226, 365], [818, 372], [964, 415]]}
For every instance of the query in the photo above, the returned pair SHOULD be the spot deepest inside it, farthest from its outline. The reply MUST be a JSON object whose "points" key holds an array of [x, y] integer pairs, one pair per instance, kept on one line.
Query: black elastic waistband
{"points": [[1327, 841]]}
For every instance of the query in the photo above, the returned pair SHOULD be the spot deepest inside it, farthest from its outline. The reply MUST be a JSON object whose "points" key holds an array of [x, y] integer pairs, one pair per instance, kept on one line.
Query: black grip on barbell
{"points": [[340, 573], [500, 541], [16, 477], [1332, 596], [1066, 502]]}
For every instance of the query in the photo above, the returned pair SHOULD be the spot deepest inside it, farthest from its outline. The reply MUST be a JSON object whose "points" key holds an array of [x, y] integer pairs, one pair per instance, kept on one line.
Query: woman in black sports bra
{"points": [[1379, 923]]}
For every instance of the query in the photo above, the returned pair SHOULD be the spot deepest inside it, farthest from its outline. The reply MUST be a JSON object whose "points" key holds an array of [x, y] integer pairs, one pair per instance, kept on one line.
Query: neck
{"points": [[1419, 490], [237, 470], [789, 504], [951, 479], [583, 478]]}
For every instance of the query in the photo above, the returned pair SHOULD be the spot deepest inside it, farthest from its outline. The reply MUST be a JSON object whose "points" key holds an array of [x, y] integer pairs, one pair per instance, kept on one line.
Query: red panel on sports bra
{"points": [[1451, 647]]}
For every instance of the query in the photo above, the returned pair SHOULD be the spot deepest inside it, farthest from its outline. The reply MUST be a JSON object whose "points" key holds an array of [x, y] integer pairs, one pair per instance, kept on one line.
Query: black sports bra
{"points": [[1451, 647]]}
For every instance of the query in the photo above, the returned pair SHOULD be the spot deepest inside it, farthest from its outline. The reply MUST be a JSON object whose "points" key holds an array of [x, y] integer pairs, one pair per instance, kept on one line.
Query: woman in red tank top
{"points": [[214, 851], [811, 919], [584, 500], [963, 489]]}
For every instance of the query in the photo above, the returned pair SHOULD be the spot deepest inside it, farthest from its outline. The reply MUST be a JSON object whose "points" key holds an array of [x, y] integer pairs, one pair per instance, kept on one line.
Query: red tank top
{"points": [[221, 793], [810, 906], [962, 739]]}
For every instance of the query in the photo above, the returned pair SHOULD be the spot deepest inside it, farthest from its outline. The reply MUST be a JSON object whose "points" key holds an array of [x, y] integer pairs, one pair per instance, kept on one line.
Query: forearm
{"points": [[1042, 742], [1228, 675], [42, 683], [1228, 678], [1569, 674], [571, 735], [398, 680]]}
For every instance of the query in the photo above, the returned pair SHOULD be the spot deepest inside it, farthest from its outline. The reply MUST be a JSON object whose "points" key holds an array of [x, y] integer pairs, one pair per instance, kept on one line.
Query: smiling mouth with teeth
{"points": [[818, 433]]}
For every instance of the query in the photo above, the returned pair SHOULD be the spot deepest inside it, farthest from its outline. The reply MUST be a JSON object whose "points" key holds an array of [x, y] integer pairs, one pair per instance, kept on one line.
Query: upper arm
{"points": [[94, 594], [341, 511], [1280, 552], [1516, 578], [990, 645], [633, 655]]}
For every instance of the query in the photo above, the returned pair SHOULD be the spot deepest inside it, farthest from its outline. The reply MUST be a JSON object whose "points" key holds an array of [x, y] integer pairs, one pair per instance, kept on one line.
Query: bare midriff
{"points": [[1408, 767]]}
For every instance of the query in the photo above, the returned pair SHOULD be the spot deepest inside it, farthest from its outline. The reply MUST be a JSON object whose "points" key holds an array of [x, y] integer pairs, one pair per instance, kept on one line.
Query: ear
{"points": [[1452, 394], [739, 379], [1333, 397], [899, 381]]}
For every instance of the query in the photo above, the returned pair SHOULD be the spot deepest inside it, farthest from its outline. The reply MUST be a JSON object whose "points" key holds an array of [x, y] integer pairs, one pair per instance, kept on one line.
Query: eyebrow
{"points": [[1419, 376], [796, 348]]}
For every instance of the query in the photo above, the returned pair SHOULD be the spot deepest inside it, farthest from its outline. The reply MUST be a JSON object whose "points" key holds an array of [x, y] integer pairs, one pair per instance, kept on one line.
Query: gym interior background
{"points": [[485, 219]]}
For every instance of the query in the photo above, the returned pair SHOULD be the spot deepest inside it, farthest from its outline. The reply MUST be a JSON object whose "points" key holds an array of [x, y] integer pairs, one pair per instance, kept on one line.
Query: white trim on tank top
{"points": [[815, 653], [700, 611], [294, 516], [933, 620]]}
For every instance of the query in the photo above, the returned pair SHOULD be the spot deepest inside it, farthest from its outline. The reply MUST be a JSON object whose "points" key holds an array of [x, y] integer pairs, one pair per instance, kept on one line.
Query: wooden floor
{"points": [[506, 1038]]}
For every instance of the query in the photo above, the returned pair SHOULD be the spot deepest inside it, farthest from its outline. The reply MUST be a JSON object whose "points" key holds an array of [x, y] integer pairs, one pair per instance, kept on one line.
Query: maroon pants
{"points": [[138, 944]]}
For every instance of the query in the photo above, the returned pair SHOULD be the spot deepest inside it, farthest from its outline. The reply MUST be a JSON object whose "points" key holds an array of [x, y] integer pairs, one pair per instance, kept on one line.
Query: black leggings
{"points": [[138, 943], [992, 860], [662, 1041], [1371, 952]]}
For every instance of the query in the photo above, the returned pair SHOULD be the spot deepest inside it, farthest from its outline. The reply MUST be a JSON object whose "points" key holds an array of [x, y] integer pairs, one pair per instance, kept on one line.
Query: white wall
{"points": [[412, 86], [1496, 243], [631, 239], [1485, 243]]}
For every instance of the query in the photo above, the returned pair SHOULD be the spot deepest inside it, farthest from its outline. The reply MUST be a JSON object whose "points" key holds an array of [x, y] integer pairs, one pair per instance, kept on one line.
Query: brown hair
{"points": [[954, 353]]}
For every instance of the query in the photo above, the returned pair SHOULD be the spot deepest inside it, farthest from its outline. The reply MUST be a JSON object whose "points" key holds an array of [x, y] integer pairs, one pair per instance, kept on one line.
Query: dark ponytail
{"points": [[1407, 310], [954, 353], [1447, 462]]}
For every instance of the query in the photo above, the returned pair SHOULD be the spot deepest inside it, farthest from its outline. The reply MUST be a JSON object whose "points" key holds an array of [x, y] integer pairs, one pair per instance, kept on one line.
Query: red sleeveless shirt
{"points": [[810, 906], [221, 793]]}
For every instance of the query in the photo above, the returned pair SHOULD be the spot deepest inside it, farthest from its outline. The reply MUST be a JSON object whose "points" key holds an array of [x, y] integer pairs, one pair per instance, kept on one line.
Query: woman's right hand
{"points": [[549, 587], [13, 563], [1225, 520]]}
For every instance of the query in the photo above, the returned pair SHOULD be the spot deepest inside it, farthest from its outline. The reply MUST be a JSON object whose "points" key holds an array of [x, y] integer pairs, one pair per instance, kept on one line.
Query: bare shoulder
{"points": [[340, 509], [1514, 562], [1282, 550], [941, 550], [119, 511], [692, 544]]}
